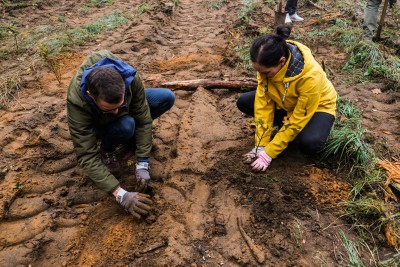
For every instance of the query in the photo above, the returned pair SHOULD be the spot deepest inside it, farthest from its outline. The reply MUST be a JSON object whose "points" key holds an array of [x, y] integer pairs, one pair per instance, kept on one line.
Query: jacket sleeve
{"points": [[307, 104], [86, 149], [140, 110], [264, 111]]}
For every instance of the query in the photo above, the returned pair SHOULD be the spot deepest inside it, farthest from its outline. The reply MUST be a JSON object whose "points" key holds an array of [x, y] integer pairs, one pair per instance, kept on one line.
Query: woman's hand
{"points": [[262, 162], [252, 155]]}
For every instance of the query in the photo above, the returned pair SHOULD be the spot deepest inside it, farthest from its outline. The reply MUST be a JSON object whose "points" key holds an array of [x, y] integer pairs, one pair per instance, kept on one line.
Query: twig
{"points": [[155, 246], [257, 253], [316, 6]]}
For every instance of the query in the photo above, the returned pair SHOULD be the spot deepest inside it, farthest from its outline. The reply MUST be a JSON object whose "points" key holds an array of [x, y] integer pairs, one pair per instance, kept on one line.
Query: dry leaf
{"points": [[343, 118], [391, 238], [393, 177], [376, 91], [386, 132]]}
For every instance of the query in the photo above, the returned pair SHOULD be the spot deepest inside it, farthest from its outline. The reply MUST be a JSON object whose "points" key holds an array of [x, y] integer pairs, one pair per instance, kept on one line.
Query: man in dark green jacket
{"points": [[107, 101]]}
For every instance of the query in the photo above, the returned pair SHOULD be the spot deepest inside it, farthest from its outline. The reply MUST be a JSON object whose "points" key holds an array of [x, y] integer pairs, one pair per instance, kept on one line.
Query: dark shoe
{"points": [[109, 159]]}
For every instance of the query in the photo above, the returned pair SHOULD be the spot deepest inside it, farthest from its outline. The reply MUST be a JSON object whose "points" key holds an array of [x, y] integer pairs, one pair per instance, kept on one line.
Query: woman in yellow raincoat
{"points": [[291, 83]]}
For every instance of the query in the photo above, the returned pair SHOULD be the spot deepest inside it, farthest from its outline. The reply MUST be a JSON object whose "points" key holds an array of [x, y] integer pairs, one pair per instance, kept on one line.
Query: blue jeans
{"points": [[313, 136], [122, 130]]}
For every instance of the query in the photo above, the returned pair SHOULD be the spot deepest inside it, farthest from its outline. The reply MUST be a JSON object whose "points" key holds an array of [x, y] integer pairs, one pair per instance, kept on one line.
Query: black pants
{"points": [[291, 6], [313, 136]]}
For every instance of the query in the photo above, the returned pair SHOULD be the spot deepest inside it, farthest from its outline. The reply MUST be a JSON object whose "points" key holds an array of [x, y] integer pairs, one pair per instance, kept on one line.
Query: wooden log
{"points": [[190, 85]]}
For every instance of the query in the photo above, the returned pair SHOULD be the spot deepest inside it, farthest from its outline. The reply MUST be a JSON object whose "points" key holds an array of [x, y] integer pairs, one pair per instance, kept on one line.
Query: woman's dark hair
{"points": [[106, 83], [283, 30], [268, 49]]}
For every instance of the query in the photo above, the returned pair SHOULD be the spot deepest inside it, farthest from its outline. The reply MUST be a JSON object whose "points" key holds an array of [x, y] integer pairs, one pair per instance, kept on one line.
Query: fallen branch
{"points": [[257, 253], [324, 18], [211, 84], [316, 6]]}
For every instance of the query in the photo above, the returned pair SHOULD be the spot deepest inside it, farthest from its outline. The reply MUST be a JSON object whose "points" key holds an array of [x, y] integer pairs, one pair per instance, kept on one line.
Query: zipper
{"points": [[284, 93]]}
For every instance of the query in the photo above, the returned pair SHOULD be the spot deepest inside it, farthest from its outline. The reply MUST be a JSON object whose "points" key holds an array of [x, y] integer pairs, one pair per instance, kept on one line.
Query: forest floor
{"points": [[51, 214]]}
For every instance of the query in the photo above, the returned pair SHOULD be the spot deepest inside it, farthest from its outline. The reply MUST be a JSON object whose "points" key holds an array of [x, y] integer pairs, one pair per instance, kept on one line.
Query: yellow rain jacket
{"points": [[301, 88]]}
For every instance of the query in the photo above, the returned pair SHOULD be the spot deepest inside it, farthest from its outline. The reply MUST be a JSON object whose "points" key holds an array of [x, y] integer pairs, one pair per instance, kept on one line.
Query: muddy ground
{"points": [[52, 215]]}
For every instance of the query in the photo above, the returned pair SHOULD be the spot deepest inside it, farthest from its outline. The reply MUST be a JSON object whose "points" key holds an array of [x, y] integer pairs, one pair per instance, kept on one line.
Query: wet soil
{"points": [[51, 214]]}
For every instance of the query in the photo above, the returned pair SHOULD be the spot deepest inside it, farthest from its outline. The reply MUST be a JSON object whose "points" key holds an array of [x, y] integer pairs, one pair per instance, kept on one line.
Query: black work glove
{"points": [[135, 203]]}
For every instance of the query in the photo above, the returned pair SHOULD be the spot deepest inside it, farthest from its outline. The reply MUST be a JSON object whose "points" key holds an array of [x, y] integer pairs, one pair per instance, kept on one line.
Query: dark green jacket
{"points": [[82, 117]]}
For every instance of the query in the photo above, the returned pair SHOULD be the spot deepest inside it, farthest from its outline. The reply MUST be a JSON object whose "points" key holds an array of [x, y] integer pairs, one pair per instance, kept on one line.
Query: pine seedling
{"points": [[52, 61], [260, 123]]}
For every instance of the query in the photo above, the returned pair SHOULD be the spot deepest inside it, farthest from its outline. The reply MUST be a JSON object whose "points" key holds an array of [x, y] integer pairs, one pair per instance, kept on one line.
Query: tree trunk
{"points": [[280, 14]]}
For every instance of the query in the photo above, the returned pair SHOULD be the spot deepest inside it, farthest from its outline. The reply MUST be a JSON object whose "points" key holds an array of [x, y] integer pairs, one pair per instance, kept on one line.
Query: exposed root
{"points": [[255, 250]]}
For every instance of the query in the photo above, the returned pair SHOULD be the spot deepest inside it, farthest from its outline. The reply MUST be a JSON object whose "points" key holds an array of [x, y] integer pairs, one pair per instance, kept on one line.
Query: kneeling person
{"points": [[107, 101]]}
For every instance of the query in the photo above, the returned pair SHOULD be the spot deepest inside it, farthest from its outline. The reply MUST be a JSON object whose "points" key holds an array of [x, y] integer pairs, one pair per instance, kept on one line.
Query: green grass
{"points": [[368, 210], [370, 58], [10, 5], [100, 3], [10, 84], [352, 249], [66, 40], [365, 208], [142, 8], [217, 4], [244, 52], [249, 6], [343, 35], [107, 23], [346, 145], [367, 59]]}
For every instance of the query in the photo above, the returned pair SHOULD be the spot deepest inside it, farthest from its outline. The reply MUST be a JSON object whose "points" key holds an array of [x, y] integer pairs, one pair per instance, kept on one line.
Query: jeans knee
{"points": [[127, 126], [169, 98]]}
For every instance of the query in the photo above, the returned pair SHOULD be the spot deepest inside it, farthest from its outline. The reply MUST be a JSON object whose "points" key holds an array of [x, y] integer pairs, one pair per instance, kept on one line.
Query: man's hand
{"points": [[252, 155], [262, 162], [136, 203], [142, 175]]}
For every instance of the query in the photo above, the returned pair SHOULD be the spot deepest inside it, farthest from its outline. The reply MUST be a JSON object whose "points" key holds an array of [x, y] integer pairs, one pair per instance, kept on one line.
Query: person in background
{"points": [[371, 17], [291, 84], [107, 102], [291, 14]]}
